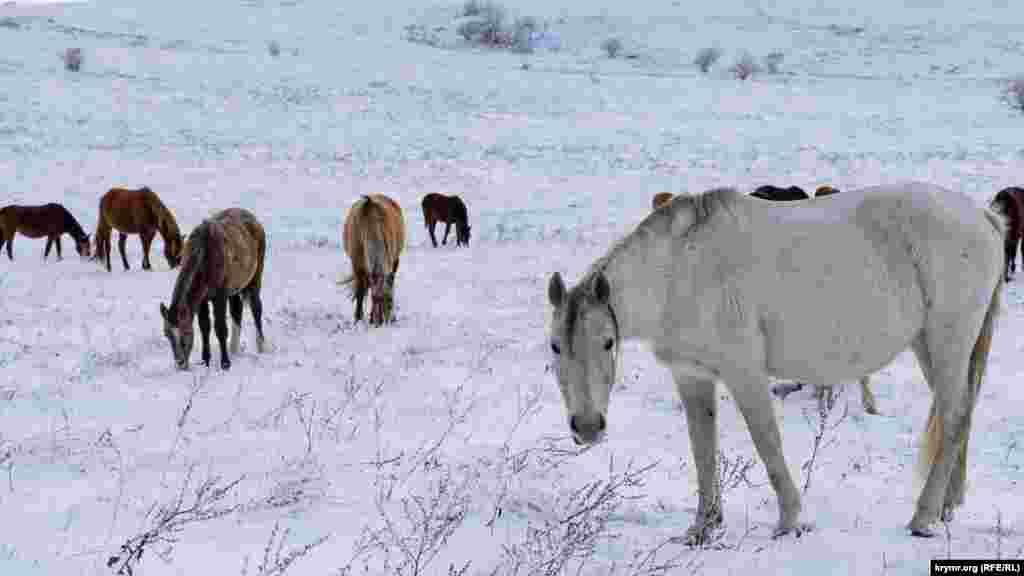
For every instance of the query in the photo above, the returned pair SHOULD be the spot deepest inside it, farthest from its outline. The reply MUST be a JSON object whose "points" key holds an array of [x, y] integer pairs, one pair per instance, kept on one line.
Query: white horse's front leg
{"points": [[698, 397], [750, 391]]}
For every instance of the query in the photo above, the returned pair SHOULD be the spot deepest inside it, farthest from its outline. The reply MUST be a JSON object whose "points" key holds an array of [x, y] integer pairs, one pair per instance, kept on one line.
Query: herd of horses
{"points": [[725, 286]]}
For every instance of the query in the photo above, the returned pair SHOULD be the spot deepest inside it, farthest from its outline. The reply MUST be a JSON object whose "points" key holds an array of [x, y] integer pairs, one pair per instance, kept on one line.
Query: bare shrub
{"points": [[274, 48], [522, 32], [73, 59], [168, 520], [565, 541], [1015, 93], [484, 23], [706, 58], [745, 67], [275, 560], [770, 63], [822, 428], [612, 47]]}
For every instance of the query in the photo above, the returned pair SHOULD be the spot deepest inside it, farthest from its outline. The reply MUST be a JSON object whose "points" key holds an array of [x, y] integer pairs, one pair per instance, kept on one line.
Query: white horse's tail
{"points": [[931, 442]]}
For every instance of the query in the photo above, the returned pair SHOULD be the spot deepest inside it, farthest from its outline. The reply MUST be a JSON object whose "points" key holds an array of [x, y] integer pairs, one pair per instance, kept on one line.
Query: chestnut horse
{"points": [[825, 191], [136, 212], [374, 237], [450, 210], [660, 199], [1010, 203], [222, 262], [51, 220], [775, 193]]}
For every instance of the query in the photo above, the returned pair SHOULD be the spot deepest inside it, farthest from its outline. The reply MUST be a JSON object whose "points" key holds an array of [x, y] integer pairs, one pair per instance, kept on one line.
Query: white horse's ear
{"points": [[556, 290], [601, 288]]}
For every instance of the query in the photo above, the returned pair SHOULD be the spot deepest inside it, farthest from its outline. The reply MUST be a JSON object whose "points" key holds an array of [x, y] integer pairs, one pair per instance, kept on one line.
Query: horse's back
{"points": [[866, 266]]}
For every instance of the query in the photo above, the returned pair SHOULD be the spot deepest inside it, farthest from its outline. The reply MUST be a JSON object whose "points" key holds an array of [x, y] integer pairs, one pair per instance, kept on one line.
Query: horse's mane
{"points": [[165, 221], [72, 224], [704, 207], [193, 261]]}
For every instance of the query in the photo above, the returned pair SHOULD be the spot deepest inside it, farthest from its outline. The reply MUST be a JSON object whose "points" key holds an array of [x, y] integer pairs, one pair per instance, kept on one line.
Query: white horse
{"points": [[728, 287]]}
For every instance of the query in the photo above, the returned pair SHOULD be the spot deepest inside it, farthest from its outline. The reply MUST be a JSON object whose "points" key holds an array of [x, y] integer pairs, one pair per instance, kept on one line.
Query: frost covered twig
{"points": [[167, 521], [275, 560]]}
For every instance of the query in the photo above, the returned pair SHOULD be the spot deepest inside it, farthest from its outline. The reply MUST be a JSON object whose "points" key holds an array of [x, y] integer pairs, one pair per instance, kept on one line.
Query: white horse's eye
{"points": [[555, 348], [608, 344]]}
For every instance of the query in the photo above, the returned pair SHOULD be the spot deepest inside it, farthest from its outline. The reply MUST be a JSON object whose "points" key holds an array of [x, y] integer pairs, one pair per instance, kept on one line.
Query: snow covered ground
{"points": [[557, 154]]}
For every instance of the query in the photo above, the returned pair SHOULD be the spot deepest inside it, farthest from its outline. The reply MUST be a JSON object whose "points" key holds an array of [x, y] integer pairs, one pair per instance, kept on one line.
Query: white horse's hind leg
{"points": [[698, 397], [236, 331], [754, 401], [947, 375]]}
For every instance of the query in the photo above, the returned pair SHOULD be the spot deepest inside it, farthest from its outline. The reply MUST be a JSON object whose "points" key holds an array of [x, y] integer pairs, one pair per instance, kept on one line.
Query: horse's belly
{"points": [[841, 325]]}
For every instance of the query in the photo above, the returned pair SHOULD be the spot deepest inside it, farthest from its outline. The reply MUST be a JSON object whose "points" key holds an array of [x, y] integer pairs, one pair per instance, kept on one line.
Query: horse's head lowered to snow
{"points": [[585, 345]]}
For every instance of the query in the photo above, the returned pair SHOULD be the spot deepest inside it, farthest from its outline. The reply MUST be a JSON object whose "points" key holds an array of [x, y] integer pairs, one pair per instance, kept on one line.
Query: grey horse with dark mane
{"points": [[222, 264], [724, 286]]}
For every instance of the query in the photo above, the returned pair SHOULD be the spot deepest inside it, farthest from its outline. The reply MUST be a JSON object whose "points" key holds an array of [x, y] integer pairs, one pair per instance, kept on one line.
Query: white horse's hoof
{"points": [[921, 530], [796, 530]]}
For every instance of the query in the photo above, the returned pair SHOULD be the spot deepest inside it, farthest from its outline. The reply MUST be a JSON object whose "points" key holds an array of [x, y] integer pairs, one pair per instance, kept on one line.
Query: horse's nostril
{"points": [[601, 423], [572, 425]]}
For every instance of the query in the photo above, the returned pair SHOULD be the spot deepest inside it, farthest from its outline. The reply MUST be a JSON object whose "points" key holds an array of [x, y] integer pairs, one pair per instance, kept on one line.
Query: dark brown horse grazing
{"points": [[51, 220], [136, 212], [450, 210], [660, 199], [222, 263], [1010, 203], [825, 191], [374, 237], [775, 193]]}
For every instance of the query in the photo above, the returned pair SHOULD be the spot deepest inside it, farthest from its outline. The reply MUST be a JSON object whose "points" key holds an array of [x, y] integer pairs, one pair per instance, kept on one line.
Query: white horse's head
{"points": [[584, 342]]}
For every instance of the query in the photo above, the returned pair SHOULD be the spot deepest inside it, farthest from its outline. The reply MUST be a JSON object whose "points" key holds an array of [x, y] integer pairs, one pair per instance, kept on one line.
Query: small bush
{"points": [[522, 32], [73, 59], [1015, 93], [745, 67], [770, 63], [612, 47], [274, 48], [706, 58]]}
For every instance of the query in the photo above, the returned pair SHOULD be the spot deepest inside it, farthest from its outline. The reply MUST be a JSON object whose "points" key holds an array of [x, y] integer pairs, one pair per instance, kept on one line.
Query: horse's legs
{"points": [[122, 240], [447, 228], [430, 228], [256, 307], [948, 378], [46, 251], [235, 302], [360, 293], [220, 326], [698, 397], [147, 241], [59, 255], [204, 330], [10, 243], [755, 403]]}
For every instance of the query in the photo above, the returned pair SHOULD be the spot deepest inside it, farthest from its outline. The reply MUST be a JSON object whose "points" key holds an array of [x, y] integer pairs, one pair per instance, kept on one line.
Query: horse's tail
{"points": [[932, 440]]}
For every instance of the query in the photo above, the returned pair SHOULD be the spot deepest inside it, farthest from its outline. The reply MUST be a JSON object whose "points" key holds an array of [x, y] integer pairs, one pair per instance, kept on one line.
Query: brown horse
{"points": [[450, 210], [775, 193], [136, 212], [825, 191], [374, 237], [222, 263], [1010, 203], [660, 199], [51, 220]]}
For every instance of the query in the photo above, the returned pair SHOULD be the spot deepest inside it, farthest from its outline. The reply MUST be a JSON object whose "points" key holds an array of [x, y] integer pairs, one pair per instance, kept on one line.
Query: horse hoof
{"points": [[225, 365], [797, 530], [921, 531]]}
